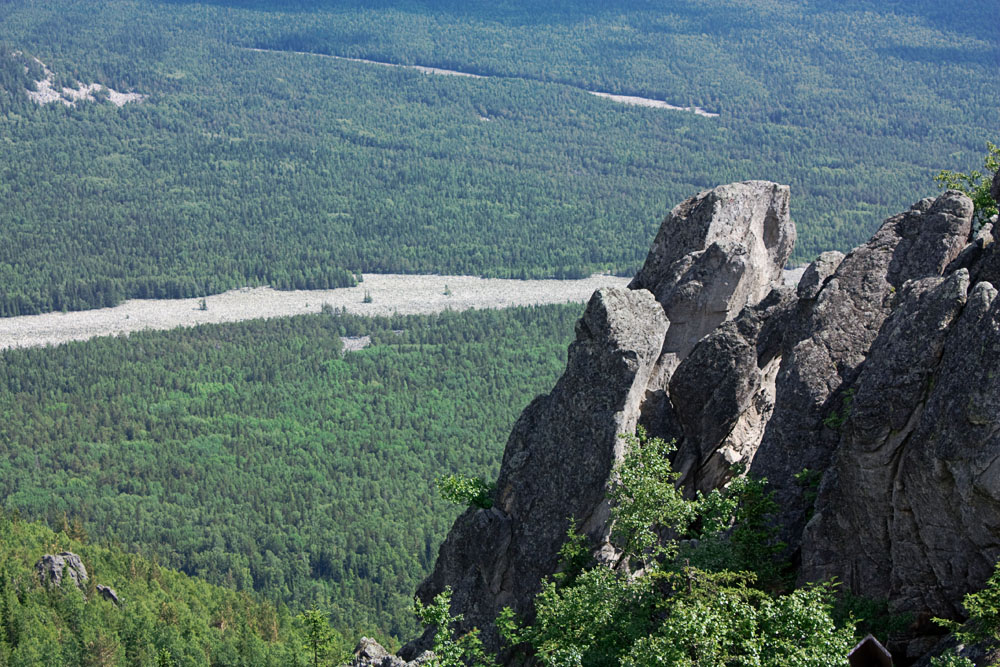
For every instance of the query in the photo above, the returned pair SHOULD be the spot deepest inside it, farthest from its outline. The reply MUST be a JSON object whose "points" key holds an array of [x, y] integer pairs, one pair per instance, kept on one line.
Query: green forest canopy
{"points": [[260, 457], [245, 167]]}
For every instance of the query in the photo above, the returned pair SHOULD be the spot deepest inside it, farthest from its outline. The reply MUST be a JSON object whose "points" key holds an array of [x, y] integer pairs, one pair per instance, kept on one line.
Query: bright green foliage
{"points": [[323, 645], [167, 619], [693, 603], [982, 626], [735, 533], [983, 608], [246, 167], [976, 184], [261, 457], [592, 622], [719, 620], [645, 497], [951, 659], [574, 556], [449, 650], [466, 491]]}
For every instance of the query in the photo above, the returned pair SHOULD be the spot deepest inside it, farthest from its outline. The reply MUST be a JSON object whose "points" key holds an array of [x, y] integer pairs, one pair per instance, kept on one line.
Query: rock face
{"points": [[53, 568], [723, 393], [716, 253], [919, 458], [816, 274], [557, 464], [878, 373], [828, 338]]}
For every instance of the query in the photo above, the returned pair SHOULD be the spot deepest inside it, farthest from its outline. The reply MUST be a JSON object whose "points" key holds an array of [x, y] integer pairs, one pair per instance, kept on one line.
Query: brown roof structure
{"points": [[869, 653]]}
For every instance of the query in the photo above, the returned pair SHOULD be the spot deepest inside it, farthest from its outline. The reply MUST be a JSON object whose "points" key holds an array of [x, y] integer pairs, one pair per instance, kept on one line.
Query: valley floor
{"points": [[390, 293]]}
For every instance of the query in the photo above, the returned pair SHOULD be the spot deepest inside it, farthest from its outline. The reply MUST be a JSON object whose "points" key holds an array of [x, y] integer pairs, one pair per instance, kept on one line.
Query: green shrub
{"points": [[690, 588], [463, 490], [449, 650], [976, 184]]}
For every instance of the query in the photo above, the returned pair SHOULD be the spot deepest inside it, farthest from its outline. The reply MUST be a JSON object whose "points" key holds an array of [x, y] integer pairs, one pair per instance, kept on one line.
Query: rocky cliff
{"points": [[877, 372]]}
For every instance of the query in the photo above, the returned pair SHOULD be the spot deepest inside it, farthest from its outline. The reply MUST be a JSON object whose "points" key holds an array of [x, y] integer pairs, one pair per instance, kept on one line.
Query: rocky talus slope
{"points": [[878, 372]]}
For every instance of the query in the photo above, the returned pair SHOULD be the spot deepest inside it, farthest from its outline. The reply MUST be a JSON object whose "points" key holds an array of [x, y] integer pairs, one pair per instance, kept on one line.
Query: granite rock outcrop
{"points": [[53, 569], [877, 374], [716, 253]]}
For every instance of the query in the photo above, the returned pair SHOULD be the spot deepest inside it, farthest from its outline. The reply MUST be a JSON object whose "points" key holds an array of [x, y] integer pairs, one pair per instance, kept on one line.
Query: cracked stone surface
{"points": [[825, 344]]}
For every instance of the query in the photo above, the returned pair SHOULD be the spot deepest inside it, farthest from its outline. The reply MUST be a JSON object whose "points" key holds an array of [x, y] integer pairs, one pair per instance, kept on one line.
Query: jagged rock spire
{"points": [[715, 253]]}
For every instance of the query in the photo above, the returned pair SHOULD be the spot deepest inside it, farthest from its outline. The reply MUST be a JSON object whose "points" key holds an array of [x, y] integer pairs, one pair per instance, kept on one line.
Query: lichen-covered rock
{"points": [[557, 465], [828, 341], [53, 568]]}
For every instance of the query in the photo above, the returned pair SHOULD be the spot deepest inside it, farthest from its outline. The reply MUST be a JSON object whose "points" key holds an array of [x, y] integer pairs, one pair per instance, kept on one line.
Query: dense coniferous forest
{"points": [[246, 167], [260, 457]]}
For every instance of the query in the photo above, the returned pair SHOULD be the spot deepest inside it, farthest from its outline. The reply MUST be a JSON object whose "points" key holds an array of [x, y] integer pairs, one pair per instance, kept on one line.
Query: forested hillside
{"points": [[163, 617], [246, 167], [260, 457]]}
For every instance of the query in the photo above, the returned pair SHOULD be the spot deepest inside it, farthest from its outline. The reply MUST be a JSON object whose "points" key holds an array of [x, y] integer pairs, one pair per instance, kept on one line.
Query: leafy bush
{"points": [[976, 184], [463, 490], [983, 626], [690, 588], [449, 650]]}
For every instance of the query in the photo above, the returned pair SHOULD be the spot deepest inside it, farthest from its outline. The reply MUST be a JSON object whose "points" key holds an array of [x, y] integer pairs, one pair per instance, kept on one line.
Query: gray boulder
{"points": [[109, 594], [556, 466], [816, 274], [369, 653], [52, 569], [714, 254]]}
